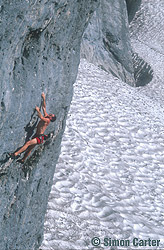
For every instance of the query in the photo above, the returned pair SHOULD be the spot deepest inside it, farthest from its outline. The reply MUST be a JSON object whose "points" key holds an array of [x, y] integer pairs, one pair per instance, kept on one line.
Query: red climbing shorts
{"points": [[40, 138]]}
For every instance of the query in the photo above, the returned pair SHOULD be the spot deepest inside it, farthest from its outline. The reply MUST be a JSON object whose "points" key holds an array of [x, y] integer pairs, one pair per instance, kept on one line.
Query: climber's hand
{"points": [[43, 95], [37, 109]]}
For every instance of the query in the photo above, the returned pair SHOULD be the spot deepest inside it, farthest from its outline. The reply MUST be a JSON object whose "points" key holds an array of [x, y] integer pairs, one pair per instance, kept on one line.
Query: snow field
{"points": [[109, 179]]}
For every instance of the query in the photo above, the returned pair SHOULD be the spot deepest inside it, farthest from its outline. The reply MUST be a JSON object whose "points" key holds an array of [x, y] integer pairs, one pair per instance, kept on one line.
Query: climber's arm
{"points": [[44, 104], [40, 114]]}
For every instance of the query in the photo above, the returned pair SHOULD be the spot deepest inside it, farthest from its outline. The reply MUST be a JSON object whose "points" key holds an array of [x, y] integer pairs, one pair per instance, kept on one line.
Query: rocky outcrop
{"points": [[40, 47], [132, 7], [106, 41], [143, 72]]}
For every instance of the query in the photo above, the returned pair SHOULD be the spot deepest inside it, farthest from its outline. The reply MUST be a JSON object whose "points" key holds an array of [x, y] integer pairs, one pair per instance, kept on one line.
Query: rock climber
{"points": [[39, 136]]}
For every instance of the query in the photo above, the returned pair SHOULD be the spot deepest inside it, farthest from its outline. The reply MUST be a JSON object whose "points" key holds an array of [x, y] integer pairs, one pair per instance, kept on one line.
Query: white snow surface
{"points": [[109, 181]]}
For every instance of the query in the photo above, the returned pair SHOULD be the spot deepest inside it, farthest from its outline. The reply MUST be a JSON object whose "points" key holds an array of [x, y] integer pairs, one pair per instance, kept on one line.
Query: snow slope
{"points": [[110, 177]]}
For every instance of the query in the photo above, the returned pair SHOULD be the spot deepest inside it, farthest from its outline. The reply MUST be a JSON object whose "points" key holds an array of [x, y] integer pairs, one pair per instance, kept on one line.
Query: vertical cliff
{"points": [[106, 41], [40, 46]]}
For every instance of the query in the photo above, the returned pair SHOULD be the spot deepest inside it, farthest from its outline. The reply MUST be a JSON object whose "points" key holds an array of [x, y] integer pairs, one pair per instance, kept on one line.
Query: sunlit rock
{"points": [[106, 41]]}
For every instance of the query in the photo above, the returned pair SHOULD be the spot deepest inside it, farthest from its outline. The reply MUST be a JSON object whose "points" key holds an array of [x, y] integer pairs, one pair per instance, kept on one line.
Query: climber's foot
{"points": [[20, 161], [12, 156]]}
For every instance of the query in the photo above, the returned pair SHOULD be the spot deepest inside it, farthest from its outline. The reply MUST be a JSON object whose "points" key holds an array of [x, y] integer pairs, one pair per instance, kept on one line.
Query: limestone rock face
{"points": [[40, 51], [106, 41]]}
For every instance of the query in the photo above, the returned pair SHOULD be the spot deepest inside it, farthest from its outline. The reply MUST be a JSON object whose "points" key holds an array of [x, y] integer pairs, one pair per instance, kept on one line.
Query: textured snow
{"points": [[109, 180]]}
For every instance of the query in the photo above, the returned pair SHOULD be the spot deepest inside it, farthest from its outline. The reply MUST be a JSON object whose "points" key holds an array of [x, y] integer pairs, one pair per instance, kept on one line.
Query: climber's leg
{"points": [[27, 153], [32, 142]]}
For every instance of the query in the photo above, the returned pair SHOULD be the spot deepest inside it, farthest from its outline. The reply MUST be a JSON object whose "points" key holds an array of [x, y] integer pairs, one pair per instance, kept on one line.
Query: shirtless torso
{"points": [[42, 125]]}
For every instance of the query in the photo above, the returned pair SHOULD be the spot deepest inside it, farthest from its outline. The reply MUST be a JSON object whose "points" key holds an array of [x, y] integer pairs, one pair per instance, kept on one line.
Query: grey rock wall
{"points": [[143, 72], [40, 47], [106, 41]]}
